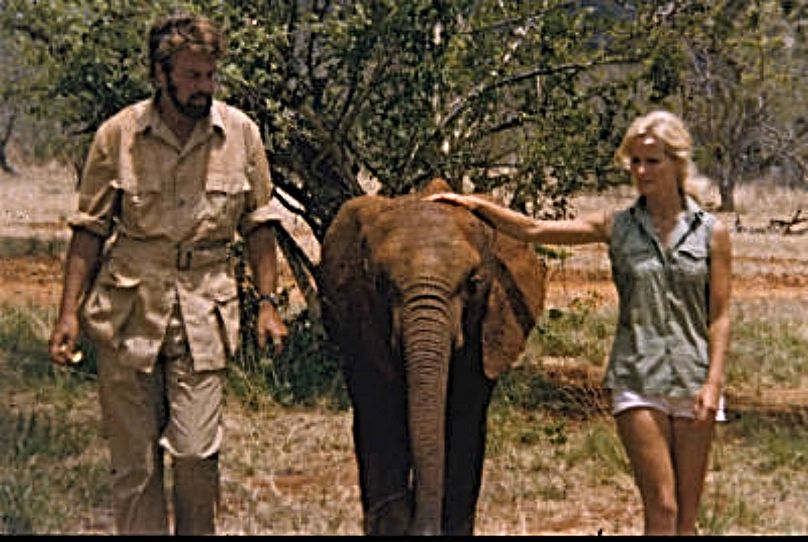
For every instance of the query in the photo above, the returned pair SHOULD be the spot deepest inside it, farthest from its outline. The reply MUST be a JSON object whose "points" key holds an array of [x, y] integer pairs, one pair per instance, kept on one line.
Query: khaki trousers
{"points": [[173, 409]]}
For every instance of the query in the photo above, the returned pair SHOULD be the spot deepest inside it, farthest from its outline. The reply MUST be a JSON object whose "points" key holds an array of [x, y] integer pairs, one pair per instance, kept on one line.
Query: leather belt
{"points": [[189, 257], [179, 256]]}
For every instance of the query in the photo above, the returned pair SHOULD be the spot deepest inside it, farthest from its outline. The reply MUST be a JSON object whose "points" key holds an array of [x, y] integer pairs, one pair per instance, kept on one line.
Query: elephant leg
{"points": [[382, 452], [469, 396]]}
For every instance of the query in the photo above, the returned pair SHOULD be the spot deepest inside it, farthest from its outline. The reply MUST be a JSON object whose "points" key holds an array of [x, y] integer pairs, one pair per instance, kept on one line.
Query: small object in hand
{"points": [[74, 358]]}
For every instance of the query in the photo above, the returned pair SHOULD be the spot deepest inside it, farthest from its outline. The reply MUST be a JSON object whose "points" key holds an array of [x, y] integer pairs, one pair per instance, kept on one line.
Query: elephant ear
{"points": [[351, 314], [514, 303]]}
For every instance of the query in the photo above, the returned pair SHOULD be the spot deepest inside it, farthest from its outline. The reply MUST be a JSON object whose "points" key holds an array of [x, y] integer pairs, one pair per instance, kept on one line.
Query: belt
{"points": [[189, 257], [179, 256]]}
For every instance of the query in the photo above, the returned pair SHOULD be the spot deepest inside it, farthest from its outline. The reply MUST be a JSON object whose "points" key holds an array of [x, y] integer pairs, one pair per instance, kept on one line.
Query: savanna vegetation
{"points": [[522, 99], [554, 463]]}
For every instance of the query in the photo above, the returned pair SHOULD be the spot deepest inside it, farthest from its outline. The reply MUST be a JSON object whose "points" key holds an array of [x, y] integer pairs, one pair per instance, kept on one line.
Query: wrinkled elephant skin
{"points": [[427, 305]]}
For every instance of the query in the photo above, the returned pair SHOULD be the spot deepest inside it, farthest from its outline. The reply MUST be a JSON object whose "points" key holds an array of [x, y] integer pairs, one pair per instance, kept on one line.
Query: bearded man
{"points": [[169, 184]]}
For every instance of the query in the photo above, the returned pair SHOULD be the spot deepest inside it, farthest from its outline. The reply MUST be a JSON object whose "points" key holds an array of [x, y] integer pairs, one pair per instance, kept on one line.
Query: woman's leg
{"points": [[646, 436], [691, 448]]}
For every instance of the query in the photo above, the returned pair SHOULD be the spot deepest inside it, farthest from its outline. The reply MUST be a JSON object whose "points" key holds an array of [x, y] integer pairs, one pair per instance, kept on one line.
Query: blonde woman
{"points": [[671, 264]]}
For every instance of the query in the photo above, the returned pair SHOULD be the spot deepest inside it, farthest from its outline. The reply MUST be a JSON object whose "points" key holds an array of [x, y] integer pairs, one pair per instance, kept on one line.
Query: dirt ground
{"points": [[36, 205], [767, 266], [33, 232]]}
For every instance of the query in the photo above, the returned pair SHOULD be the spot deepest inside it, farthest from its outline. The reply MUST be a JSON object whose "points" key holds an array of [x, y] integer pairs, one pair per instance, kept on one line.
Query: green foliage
{"points": [[22, 329], [525, 387], [581, 331], [522, 96], [602, 445], [37, 481], [42, 440], [306, 372], [766, 354], [23, 336], [723, 511], [783, 446]]}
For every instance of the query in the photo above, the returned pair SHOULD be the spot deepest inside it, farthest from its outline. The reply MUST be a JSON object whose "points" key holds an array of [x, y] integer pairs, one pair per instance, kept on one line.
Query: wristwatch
{"points": [[270, 298]]}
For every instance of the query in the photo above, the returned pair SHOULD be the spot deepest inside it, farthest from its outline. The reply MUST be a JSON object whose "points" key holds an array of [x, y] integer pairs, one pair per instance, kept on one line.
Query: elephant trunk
{"points": [[426, 338]]}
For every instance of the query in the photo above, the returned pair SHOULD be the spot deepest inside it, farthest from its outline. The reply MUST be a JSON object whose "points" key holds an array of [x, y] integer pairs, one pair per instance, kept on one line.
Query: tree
{"points": [[524, 98], [733, 68]]}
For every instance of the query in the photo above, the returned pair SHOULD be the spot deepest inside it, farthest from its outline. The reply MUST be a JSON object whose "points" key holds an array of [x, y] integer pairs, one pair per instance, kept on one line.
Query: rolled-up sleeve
{"points": [[260, 207], [99, 188]]}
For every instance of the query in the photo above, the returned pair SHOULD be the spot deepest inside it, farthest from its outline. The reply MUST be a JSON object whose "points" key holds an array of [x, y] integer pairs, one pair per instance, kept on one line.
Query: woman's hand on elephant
{"points": [[469, 202]]}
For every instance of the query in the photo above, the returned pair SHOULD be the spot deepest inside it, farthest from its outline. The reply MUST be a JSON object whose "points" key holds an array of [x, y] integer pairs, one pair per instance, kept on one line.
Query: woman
{"points": [[671, 265]]}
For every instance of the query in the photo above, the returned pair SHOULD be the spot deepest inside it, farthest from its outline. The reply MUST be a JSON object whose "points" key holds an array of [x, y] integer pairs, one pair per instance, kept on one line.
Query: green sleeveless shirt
{"points": [[661, 343]]}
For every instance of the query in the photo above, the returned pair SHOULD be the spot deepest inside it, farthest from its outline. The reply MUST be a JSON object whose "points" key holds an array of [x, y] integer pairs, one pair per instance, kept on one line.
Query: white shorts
{"points": [[676, 407]]}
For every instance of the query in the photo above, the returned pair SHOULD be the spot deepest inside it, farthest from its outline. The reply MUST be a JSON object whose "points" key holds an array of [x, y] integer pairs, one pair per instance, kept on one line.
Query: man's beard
{"points": [[189, 109]]}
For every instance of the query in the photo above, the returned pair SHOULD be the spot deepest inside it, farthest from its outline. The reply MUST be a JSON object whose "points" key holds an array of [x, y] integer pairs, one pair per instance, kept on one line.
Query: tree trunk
{"points": [[726, 187], [4, 139]]}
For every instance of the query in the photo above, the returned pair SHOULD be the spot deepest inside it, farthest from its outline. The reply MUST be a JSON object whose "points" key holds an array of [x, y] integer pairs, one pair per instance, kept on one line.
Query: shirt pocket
{"points": [[639, 262], [111, 303], [691, 263], [141, 205], [225, 196]]}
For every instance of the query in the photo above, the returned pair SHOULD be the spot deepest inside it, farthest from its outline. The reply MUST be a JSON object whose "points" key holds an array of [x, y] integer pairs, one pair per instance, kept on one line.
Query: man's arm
{"points": [[80, 267], [262, 256]]}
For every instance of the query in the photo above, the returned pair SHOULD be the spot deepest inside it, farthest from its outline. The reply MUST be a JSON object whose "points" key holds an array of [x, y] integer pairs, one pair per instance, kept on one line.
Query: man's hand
{"points": [[62, 343], [82, 258], [270, 324]]}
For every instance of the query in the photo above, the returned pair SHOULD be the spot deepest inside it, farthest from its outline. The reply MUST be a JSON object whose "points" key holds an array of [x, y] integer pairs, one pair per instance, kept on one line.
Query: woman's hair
{"points": [[669, 130], [182, 31]]}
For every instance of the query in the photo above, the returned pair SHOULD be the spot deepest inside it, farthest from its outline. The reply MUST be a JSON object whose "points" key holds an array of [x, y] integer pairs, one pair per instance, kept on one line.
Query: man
{"points": [[168, 184]]}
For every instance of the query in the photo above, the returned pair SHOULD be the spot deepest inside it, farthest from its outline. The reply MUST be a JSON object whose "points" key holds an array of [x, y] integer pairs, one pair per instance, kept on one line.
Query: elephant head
{"points": [[427, 305]]}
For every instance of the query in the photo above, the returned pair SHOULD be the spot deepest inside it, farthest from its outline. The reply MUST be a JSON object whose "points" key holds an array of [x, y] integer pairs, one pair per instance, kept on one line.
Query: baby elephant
{"points": [[427, 305]]}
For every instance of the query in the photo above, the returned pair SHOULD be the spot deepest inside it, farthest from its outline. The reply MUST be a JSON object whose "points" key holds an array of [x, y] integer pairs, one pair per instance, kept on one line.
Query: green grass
{"points": [[766, 353], [582, 330], [549, 452], [49, 453], [767, 350]]}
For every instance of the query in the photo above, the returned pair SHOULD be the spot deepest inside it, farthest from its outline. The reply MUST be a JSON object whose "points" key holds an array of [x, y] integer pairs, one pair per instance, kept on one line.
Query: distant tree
{"points": [[5, 135], [9, 107], [734, 68]]}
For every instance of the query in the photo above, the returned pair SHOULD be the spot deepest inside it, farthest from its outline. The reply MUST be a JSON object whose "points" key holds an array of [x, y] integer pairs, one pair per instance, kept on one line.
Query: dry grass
{"points": [[291, 471]]}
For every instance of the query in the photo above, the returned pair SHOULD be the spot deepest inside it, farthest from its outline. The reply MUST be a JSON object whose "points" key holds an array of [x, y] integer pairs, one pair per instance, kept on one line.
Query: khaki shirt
{"points": [[662, 342], [169, 213]]}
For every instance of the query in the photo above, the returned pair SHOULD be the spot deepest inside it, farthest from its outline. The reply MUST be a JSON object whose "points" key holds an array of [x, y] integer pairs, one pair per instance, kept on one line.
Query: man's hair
{"points": [[174, 33]]}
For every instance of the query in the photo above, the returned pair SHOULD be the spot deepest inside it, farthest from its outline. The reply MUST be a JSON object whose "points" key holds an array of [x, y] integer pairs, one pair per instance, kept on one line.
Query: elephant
{"points": [[426, 305]]}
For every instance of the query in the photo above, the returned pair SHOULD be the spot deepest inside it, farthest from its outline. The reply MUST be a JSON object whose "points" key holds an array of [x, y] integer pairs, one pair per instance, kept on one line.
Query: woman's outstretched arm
{"points": [[592, 229]]}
